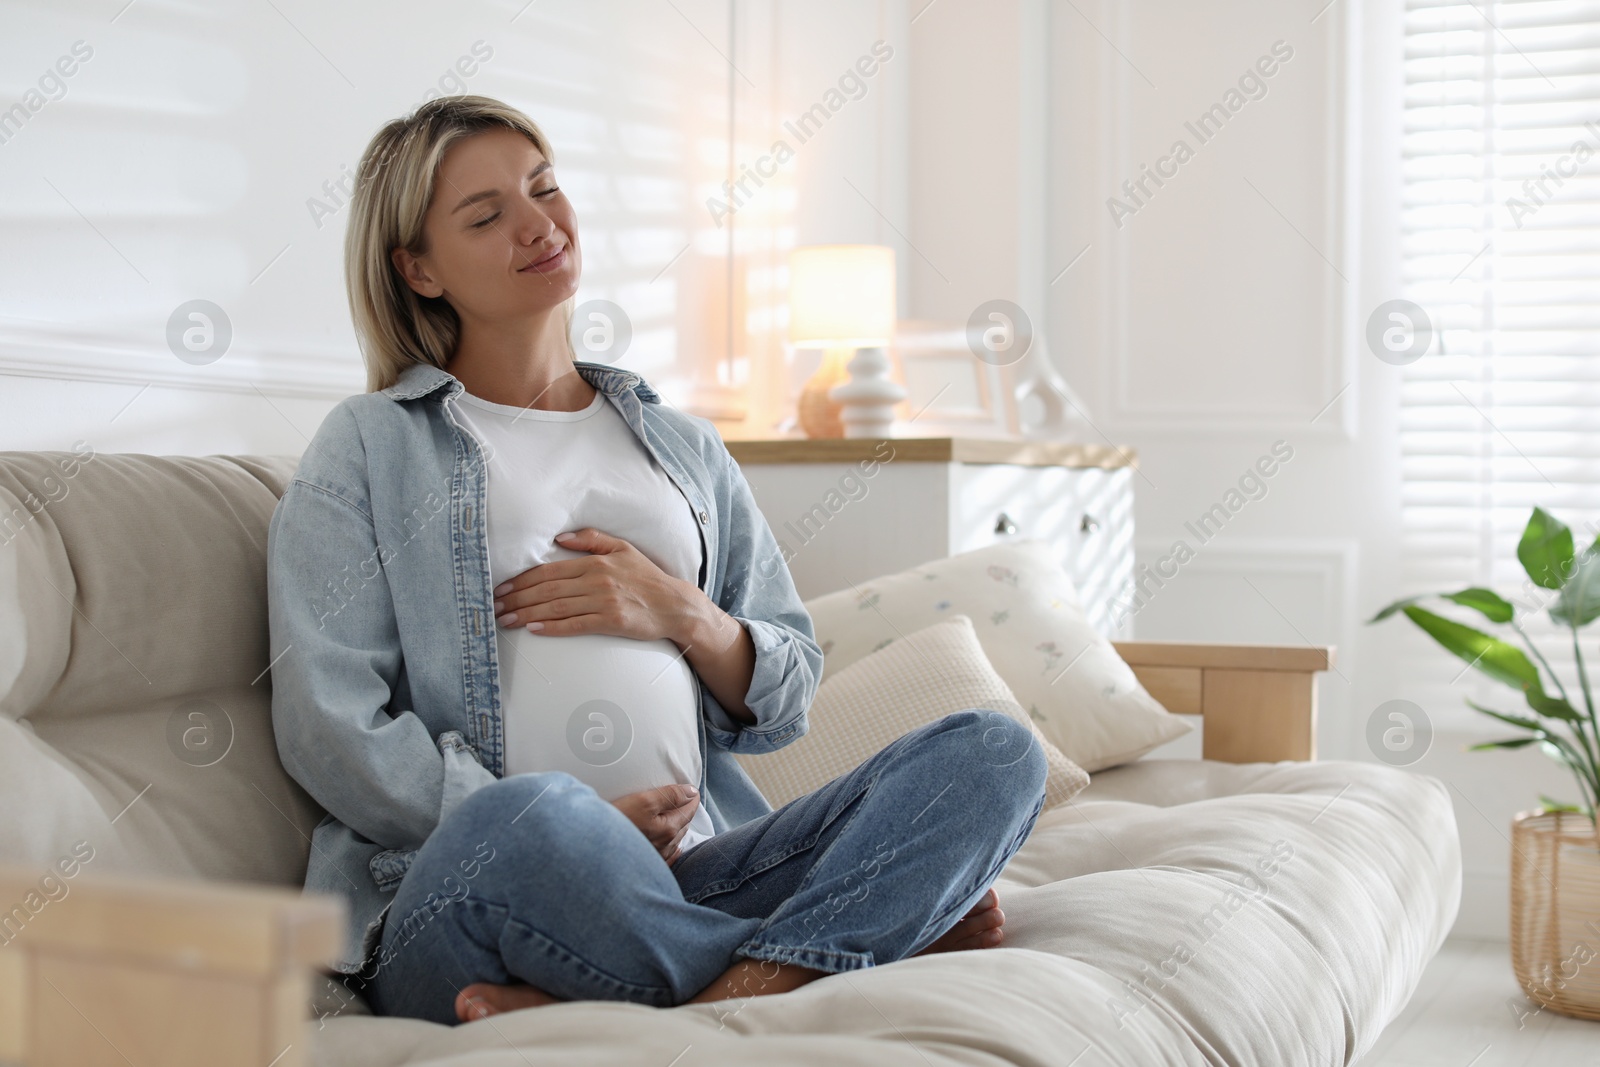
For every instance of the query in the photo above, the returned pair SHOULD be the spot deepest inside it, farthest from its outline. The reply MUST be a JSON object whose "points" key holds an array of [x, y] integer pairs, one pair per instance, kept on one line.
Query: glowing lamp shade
{"points": [[841, 296]]}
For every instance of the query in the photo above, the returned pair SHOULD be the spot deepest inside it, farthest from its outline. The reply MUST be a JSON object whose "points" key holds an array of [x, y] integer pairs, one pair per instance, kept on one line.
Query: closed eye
{"points": [[542, 194]]}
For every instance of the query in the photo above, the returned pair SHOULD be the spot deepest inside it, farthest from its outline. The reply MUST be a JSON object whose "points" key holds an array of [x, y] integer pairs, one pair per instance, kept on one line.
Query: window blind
{"points": [[1501, 248]]}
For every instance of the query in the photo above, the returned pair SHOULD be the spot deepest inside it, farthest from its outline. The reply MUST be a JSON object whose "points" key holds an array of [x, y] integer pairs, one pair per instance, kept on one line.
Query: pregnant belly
{"points": [[619, 714]]}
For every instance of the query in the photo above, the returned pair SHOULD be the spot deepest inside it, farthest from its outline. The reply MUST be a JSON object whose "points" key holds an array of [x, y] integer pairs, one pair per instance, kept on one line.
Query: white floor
{"points": [[1465, 1013]]}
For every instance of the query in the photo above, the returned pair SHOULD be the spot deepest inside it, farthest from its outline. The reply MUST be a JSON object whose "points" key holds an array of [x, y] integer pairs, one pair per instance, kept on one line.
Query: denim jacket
{"points": [[385, 685]]}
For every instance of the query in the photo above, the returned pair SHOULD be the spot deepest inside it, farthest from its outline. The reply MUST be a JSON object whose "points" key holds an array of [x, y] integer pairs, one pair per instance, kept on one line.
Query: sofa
{"points": [[1255, 906]]}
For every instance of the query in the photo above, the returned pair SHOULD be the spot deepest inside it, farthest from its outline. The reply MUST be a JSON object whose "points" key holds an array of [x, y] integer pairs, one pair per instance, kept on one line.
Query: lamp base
{"points": [[818, 413], [869, 397]]}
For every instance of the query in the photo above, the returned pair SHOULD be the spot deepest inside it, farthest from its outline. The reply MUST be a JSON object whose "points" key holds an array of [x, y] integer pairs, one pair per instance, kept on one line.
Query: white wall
{"points": [[1214, 320], [179, 160], [1230, 311], [1222, 315]]}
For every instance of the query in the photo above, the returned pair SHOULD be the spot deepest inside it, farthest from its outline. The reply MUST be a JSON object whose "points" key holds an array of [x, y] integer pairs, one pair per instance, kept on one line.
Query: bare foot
{"points": [[756, 978], [482, 999], [746, 978], [979, 928]]}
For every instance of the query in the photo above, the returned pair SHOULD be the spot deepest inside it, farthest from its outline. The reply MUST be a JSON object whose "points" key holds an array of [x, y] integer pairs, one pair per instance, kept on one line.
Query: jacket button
{"points": [[703, 519]]}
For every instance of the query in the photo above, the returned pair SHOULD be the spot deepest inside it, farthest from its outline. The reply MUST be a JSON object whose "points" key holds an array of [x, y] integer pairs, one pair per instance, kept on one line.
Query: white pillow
{"points": [[1031, 624], [861, 709]]}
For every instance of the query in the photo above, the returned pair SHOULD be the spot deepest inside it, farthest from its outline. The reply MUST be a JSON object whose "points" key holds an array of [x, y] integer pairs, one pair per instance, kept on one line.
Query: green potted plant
{"points": [[1555, 875]]}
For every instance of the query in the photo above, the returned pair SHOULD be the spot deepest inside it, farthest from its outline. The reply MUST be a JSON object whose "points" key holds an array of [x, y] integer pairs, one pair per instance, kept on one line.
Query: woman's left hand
{"points": [[616, 589], [662, 815]]}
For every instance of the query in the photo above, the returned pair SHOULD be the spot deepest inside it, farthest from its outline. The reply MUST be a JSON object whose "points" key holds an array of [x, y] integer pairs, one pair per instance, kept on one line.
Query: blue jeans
{"points": [[536, 879]]}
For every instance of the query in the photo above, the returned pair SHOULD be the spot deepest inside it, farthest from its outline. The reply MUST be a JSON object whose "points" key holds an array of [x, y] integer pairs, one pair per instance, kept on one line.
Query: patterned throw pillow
{"points": [[859, 710], [1029, 620]]}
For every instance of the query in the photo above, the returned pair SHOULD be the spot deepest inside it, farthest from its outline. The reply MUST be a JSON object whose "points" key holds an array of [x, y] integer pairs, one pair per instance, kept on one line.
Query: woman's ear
{"points": [[414, 273]]}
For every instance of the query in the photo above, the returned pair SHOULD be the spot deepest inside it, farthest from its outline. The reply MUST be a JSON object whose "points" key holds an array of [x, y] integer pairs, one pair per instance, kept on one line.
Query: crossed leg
{"points": [[791, 871], [982, 927]]}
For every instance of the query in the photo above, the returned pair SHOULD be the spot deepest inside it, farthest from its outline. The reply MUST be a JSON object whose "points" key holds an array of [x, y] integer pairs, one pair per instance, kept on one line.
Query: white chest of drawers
{"points": [[845, 510]]}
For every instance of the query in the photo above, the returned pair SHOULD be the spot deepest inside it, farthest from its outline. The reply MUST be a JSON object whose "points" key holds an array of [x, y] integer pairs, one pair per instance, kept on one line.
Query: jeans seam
{"points": [[551, 947], [1000, 865], [746, 874], [805, 883], [807, 957]]}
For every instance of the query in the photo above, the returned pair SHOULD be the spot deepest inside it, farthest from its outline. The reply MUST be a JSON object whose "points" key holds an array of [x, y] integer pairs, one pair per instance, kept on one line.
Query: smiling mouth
{"points": [[546, 262]]}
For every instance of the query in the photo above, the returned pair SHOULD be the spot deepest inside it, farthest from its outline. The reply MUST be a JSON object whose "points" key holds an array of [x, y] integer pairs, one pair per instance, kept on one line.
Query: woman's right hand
{"points": [[662, 815]]}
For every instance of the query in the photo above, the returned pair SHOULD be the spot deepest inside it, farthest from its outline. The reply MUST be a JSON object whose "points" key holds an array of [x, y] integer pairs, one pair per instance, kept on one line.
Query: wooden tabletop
{"points": [[931, 450]]}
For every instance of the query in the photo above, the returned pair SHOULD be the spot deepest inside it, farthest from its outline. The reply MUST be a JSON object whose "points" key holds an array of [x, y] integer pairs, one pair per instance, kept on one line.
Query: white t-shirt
{"points": [[617, 713]]}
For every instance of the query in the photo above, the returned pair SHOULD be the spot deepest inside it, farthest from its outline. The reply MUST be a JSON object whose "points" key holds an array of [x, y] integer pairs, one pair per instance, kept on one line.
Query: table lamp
{"points": [[842, 298]]}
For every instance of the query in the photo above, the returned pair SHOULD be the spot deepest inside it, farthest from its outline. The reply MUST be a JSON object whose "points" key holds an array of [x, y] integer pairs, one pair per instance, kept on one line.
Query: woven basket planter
{"points": [[1555, 911]]}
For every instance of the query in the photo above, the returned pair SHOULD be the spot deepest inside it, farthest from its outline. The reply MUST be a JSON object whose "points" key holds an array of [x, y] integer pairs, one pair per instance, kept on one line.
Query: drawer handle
{"points": [[1089, 523], [1004, 524]]}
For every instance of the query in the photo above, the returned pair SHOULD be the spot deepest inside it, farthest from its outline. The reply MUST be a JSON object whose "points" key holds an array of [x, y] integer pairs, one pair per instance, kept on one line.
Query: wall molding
{"points": [[1334, 563], [76, 354], [1337, 357]]}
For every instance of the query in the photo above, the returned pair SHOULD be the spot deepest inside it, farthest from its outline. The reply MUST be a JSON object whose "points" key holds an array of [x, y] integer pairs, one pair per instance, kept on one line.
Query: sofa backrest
{"points": [[135, 701]]}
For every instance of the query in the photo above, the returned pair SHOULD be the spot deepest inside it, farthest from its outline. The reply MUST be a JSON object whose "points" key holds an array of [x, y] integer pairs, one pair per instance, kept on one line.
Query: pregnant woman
{"points": [[519, 627]]}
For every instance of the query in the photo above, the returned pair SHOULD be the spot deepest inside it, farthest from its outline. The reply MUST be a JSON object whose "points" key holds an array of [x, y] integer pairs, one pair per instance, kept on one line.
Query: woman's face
{"points": [[502, 238]]}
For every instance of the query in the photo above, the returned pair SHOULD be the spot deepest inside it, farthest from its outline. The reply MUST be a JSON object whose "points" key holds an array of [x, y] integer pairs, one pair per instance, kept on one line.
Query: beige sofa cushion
{"points": [[1033, 629], [1176, 912], [134, 714], [935, 671]]}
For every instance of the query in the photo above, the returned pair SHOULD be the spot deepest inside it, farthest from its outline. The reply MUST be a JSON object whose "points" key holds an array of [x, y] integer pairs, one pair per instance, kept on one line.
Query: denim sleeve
{"points": [[759, 592], [336, 658]]}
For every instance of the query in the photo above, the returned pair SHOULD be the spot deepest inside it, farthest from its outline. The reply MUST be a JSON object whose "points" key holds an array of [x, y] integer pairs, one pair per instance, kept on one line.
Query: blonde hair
{"points": [[396, 326]]}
